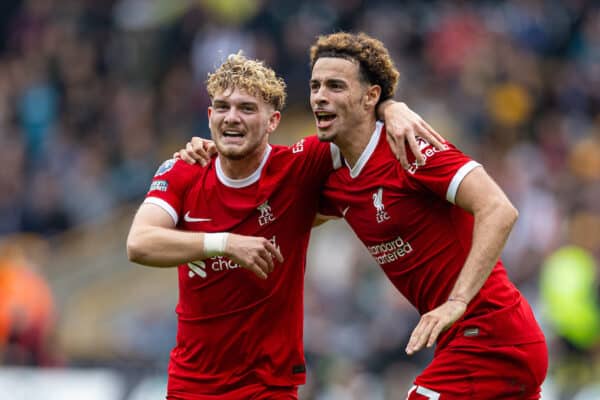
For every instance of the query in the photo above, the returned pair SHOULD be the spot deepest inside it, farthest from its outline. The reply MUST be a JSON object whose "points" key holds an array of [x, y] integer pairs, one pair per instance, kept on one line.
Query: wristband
{"points": [[457, 299], [214, 243]]}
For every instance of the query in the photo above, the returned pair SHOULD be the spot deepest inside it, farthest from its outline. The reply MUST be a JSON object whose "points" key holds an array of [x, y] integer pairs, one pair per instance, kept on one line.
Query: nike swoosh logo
{"points": [[187, 218], [345, 210]]}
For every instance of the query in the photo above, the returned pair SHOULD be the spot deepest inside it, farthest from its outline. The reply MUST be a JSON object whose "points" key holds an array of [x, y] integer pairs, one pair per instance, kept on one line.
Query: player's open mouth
{"points": [[230, 136], [233, 134], [324, 119]]}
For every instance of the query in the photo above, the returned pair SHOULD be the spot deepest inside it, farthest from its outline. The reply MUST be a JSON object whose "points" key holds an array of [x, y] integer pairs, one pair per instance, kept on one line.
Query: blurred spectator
{"points": [[27, 311], [12, 177], [569, 283]]}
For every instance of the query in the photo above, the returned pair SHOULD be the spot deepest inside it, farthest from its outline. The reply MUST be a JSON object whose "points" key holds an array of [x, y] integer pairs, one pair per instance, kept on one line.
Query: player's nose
{"points": [[318, 97], [232, 116]]}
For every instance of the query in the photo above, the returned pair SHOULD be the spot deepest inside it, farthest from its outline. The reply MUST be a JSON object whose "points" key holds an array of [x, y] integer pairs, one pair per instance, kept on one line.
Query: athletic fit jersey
{"points": [[410, 225], [235, 329]]}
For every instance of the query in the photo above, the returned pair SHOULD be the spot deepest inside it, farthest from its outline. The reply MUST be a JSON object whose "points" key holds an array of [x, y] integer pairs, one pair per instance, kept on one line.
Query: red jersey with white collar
{"points": [[421, 239], [233, 328]]}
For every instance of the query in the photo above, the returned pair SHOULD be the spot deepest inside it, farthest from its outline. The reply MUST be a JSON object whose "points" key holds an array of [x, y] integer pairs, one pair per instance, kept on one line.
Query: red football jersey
{"points": [[233, 328], [420, 238]]}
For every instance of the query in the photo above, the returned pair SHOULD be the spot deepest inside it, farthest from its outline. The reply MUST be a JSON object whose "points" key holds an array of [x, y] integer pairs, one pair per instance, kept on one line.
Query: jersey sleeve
{"points": [[443, 171], [169, 185]]}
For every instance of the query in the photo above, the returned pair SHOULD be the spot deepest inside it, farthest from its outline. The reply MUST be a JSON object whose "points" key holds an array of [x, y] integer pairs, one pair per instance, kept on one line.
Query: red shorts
{"points": [[250, 392], [499, 372]]}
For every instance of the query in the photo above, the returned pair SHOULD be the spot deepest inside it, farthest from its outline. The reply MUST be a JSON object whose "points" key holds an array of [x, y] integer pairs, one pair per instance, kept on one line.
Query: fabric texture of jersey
{"points": [[420, 238], [234, 329]]}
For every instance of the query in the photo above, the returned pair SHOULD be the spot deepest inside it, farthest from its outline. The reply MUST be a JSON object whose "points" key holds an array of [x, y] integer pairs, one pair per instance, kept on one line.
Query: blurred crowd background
{"points": [[94, 94]]}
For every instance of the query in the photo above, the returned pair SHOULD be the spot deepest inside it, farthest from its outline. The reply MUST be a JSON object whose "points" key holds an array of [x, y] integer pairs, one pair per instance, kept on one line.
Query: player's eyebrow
{"points": [[335, 81], [329, 82], [248, 104], [245, 103]]}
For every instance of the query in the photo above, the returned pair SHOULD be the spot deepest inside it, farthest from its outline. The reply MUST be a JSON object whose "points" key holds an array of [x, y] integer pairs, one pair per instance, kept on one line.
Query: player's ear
{"points": [[274, 120], [209, 113], [372, 95]]}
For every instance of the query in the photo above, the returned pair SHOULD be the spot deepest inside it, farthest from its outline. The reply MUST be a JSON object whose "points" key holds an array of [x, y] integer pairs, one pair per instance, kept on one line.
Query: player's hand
{"points": [[256, 254], [433, 323], [197, 150], [403, 125]]}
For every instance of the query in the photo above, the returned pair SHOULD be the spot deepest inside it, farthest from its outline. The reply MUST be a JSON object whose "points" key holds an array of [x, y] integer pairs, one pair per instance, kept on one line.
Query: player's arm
{"points": [[402, 126], [197, 150], [153, 241], [494, 216]]}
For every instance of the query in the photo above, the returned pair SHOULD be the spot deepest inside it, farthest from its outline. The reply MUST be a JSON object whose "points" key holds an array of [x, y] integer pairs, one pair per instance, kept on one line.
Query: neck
{"points": [[244, 167], [353, 143]]}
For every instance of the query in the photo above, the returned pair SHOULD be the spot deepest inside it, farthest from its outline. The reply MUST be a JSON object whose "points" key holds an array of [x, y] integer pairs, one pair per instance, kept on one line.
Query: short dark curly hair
{"points": [[376, 65]]}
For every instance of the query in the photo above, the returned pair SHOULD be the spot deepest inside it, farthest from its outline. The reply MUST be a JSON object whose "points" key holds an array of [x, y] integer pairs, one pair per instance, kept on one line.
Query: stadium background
{"points": [[95, 94]]}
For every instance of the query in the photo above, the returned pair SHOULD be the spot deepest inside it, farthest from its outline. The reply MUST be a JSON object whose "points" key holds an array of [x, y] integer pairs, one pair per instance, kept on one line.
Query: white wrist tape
{"points": [[214, 243]]}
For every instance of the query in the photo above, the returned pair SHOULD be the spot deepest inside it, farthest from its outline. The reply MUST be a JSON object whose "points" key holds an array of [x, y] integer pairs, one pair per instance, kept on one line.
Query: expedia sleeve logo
{"points": [[428, 151]]}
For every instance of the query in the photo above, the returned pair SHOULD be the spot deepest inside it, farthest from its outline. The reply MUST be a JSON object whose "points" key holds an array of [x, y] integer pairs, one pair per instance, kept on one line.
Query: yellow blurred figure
{"points": [[569, 282]]}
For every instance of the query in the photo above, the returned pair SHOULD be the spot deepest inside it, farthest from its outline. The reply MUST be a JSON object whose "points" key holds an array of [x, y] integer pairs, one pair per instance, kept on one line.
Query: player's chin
{"points": [[325, 135], [233, 152]]}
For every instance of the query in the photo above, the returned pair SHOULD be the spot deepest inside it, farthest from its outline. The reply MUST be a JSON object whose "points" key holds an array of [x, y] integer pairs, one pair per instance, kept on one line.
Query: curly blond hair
{"points": [[251, 76], [376, 65]]}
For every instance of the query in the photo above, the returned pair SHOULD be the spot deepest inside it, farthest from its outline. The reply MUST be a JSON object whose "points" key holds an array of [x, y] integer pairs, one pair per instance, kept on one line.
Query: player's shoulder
{"points": [[306, 146], [175, 176], [312, 147], [174, 167], [430, 152], [309, 143], [308, 152]]}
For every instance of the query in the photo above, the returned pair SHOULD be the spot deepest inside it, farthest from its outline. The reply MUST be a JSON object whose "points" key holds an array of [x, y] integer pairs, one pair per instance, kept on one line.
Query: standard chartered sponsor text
{"points": [[388, 252], [218, 263]]}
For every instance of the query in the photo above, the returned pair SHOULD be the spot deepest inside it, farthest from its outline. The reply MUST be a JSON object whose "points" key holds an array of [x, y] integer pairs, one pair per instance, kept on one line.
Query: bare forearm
{"points": [[163, 247], [381, 107], [490, 232]]}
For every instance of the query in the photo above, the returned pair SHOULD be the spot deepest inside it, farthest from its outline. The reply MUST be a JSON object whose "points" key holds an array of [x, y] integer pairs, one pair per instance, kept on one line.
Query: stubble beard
{"points": [[325, 136], [234, 153]]}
